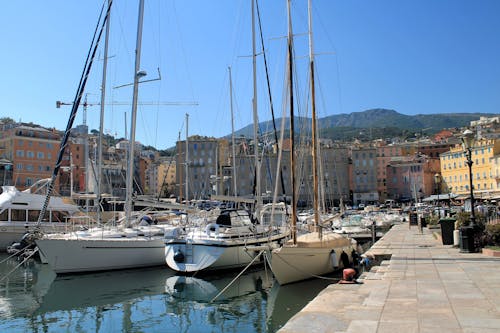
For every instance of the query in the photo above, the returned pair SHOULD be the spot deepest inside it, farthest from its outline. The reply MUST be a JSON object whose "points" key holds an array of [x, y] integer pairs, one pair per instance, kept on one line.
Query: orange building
{"points": [[32, 151]]}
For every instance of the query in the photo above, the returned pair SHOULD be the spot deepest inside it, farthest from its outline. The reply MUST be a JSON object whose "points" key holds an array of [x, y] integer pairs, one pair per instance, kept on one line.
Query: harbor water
{"points": [[34, 299]]}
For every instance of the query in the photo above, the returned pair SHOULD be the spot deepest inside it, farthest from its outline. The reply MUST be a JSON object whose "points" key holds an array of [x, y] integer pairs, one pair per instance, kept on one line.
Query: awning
{"points": [[444, 196]]}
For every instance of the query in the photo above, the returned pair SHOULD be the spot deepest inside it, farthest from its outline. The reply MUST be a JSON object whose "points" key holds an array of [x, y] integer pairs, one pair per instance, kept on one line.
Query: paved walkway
{"points": [[424, 287]]}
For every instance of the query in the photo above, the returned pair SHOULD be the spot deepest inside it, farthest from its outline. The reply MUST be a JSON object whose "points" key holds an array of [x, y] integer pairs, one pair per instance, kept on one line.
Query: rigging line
{"points": [[74, 110], [339, 85], [183, 52], [270, 95]]}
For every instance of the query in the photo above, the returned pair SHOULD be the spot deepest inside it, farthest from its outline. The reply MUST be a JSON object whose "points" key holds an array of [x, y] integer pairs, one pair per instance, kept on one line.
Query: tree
{"points": [[7, 120]]}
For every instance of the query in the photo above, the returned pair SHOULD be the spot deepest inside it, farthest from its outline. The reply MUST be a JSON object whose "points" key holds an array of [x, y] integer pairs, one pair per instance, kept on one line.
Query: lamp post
{"points": [[468, 233], [449, 199], [437, 181]]}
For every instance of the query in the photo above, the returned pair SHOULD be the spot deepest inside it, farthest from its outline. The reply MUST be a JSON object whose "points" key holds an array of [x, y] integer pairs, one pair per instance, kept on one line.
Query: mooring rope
{"points": [[237, 276], [26, 259], [12, 255]]}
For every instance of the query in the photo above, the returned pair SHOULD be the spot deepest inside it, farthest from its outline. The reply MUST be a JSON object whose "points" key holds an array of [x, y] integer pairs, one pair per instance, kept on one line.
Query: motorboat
{"points": [[20, 210]]}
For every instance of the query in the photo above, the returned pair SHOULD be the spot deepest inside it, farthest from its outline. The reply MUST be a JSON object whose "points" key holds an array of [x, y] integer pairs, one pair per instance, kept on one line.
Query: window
{"points": [[20, 153], [18, 215], [19, 166], [30, 154], [40, 155], [20, 142], [29, 167]]}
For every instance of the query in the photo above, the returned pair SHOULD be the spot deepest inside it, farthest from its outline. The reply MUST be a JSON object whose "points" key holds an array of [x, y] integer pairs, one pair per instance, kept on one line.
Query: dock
{"points": [[418, 285]]}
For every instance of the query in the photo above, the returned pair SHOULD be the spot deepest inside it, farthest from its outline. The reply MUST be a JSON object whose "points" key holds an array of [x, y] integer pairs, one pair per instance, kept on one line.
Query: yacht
{"points": [[19, 212]]}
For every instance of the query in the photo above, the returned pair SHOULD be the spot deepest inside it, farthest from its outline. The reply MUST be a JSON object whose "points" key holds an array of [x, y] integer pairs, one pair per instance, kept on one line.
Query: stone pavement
{"points": [[421, 286]]}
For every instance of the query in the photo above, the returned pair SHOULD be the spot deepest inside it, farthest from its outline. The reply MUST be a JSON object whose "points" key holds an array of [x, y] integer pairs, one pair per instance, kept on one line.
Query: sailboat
{"points": [[318, 252], [236, 238], [136, 242]]}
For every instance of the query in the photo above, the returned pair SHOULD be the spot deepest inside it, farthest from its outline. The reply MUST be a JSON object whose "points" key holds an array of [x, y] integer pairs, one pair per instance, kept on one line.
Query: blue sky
{"points": [[416, 57]]}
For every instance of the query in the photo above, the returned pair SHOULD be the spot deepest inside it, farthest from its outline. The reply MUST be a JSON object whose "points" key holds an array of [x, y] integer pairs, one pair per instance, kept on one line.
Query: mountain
{"points": [[378, 122]]}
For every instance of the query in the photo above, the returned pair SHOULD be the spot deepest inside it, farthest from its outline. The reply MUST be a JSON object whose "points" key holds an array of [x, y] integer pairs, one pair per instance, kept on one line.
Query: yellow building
{"points": [[166, 177], [455, 172]]}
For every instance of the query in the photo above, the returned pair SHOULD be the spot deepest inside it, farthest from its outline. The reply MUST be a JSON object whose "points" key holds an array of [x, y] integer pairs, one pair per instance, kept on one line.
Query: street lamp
{"points": [[437, 181], [468, 233], [449, 199], [467, 144]]}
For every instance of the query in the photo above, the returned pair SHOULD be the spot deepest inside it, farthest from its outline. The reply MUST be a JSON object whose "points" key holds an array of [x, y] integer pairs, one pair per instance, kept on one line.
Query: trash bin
{"points": [[423, 222], [447, 228], [467, 239]]}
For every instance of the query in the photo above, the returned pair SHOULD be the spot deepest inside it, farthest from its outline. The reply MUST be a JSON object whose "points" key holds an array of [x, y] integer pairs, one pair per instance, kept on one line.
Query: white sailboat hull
{"points": [[88, 255], [212, 254], [292, 263]]}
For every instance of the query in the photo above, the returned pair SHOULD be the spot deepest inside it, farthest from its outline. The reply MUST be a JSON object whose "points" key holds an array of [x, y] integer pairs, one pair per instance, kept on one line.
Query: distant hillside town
{"points": [[367, 171]]}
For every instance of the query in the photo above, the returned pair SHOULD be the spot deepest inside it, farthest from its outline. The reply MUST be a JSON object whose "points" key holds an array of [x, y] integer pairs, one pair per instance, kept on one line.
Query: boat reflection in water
{"points": [[146, 300], [102, 290], [218, 288]]}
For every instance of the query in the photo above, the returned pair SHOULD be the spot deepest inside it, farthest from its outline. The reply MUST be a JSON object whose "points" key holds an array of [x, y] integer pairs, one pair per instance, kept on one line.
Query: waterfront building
{"points": [[32, 150], [160, 177], [204, 157], [455, 171], [364, 175], [384, 155], [411, 178]]}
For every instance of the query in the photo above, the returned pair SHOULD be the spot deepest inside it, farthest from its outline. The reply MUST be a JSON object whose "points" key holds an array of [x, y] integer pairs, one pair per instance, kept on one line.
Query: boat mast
{"points": [[232, 131], [313, 126], [101, 119], [137, 75], [292, 158], [186, 166], [258, 191]]}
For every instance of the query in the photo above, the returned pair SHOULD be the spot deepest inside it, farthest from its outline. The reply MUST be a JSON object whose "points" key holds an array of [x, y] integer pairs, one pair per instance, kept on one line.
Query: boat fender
{"points": [[333, 259], [212, 227], [179, 256]]}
